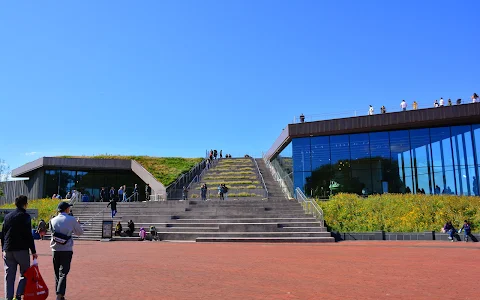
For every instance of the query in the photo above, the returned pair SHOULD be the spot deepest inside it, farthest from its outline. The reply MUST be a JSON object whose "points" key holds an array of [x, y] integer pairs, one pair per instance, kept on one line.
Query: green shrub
{"points": [[46, 208], [399, 212]]}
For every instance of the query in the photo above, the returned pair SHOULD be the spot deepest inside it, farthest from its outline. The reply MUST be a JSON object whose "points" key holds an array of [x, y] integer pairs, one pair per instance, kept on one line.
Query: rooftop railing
{"points": [[365, 111]]}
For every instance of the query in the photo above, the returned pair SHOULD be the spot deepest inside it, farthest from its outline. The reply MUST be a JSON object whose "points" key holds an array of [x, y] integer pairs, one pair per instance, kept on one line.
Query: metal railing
{"points": [[176, 187], [282, 177], [157, 197], [310, 206], [261, 177], [89, 221], [75, 197], [134, 196], [364, 111]]}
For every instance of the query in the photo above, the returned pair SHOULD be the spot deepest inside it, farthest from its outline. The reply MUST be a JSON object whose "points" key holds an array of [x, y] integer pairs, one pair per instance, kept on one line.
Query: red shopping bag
{"points": [[35, 289]]}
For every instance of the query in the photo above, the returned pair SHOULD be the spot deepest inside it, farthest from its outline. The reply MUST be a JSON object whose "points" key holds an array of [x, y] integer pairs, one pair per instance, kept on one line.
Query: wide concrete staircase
{"points": [[210, 221], [247, 215]]}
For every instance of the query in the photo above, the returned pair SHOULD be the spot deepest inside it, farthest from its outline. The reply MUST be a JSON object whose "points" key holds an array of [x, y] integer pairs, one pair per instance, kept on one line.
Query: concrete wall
{"points": [[399, 236], [147, 177], [32, 188]]}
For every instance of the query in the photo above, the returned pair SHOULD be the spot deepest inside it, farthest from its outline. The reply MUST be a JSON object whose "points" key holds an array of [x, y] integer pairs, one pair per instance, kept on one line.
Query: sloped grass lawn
{"points": [[46, 209], [230, 195], [231, 178], [399, 212], [225, 169], [230, 173], [164, 169]]}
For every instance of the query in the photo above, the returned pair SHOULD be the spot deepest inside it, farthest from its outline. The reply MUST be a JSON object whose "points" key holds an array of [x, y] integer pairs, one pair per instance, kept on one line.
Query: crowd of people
{"points": [[214, 154], [120, 195], [437, 103]]}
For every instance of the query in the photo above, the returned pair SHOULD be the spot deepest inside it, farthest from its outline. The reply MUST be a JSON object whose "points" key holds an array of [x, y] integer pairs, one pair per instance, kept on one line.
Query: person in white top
{"points": [[475, 98], [435, 104], [370, 111], [403, 105], [441, 102]]}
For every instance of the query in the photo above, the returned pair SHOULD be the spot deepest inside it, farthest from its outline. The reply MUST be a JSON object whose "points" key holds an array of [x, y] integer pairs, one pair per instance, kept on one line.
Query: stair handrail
{"points": [[278, 178], [89, 221], [187, 174], [310, 206], [261, 177], [194, 180], [128, 199], [75, 197]]}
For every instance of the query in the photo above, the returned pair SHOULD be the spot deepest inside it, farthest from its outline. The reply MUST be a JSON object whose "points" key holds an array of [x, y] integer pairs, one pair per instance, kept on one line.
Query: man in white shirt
{"points": [[370, 111], [63, 227], [403, 105], [441, 102]]}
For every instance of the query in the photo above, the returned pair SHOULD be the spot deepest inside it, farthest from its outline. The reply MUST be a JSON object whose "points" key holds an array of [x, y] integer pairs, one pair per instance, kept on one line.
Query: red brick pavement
{"points": [[348, 270]]}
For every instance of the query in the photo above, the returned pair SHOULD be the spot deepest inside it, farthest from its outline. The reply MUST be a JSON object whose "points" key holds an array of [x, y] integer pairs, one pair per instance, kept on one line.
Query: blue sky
{"points": [[173, 78]]}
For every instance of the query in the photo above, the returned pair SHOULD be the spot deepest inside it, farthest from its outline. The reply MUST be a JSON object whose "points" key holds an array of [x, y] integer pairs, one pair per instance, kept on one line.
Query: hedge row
{"points": [[399, 212]]}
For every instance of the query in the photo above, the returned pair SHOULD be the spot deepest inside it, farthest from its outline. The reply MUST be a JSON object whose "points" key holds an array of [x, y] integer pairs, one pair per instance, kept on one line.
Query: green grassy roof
{"points": [[164, 169]]}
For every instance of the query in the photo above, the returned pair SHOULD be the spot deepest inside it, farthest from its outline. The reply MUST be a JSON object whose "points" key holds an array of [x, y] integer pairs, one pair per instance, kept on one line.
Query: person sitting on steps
{"points": [[142, 234], [131, 228], [153, 233], [450, 230], [118, 229]]}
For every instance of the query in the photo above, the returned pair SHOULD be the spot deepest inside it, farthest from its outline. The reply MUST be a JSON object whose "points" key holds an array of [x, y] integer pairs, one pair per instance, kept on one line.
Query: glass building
{"points": [[90, 182], [436, 160]]}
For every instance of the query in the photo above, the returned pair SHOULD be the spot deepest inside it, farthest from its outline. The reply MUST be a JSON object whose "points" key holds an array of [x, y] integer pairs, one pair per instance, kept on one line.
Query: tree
{"points": [[4, 173]]}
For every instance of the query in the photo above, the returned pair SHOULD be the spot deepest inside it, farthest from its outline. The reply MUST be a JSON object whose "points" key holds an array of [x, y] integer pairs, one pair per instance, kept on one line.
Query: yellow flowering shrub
{"points": [[399, 212]]}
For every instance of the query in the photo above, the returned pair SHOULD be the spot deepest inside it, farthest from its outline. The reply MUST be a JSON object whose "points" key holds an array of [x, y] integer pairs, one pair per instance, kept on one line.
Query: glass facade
{"points": [[90, 182], [442, 160]]}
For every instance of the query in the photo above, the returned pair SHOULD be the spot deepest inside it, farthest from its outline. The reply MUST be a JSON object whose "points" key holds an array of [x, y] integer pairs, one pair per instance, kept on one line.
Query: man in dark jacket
{"points": [[113, 207], [148, 191], [17, 240]]}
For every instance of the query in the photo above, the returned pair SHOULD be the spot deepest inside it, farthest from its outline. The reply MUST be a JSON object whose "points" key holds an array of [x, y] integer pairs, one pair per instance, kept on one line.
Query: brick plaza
{"points": [[347, 270]]}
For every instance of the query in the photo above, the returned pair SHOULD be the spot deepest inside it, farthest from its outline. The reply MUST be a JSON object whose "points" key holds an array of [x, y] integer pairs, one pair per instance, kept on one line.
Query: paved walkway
{"points": [[348, 270]]}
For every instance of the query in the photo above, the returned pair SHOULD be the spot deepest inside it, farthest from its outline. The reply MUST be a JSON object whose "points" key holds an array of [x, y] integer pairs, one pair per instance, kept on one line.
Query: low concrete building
{"points": [[56, 175]]}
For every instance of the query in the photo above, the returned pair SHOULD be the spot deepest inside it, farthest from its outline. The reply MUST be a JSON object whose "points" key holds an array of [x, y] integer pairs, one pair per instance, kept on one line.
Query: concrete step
{"points": [[266, 239], [194, 235], [247, 220]]}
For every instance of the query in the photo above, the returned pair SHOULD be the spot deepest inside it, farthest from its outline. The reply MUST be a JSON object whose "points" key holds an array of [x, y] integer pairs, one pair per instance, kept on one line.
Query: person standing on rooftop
{"points": [[415, 105], [403, 105], [449, 102], [474, 98], [441, 101], [383, 110], [459, 101], [435, 104], [370, 111]]}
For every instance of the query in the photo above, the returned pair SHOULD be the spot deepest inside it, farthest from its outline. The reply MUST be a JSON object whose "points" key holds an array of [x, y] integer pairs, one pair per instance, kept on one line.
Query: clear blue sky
{"points": [[173, 78]]}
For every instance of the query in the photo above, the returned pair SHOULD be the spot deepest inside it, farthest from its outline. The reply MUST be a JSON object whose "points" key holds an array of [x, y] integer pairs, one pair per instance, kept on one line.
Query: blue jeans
{"points": [[11, 260], [114, 212], [450, 233]]}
